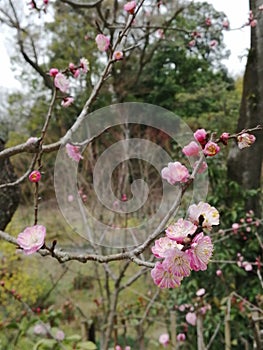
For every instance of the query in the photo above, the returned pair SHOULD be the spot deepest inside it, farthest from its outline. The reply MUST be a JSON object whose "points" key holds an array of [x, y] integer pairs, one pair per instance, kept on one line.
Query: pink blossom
{"points": [[163, 278], [200, 292], [130, 7], [84, 64], [191, 318], [102, 42], [118, 55], [226, 24], [224, 137], [192, 149], [32, 238], [235, 227], [161, 245], [260, 8], [208, 22], [34, 176], [181, 337], [201, 136], [204, 309], [180, 230], [202, 168], [118, 347], [164, 339], [127, 348], [211, 149], [175, 172], [213, 43], [245, 140], [160, 33], [31, 140], [60, 335], [177, 262], [67, 101], [53, 72], [200, 252], [45, 2], [247, 266], [76, 73], [218, 273], [70, 198], [253, 23], [192, 43], [73, 152], [61, 82], [209, 213]]}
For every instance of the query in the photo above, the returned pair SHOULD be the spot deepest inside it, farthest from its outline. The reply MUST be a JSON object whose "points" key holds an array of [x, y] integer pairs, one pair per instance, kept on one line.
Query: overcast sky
{"points": [[237, 41]]}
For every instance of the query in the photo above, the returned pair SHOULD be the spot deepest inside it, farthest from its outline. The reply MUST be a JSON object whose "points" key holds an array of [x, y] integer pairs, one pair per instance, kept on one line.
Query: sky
{"points": [[237, 41]]}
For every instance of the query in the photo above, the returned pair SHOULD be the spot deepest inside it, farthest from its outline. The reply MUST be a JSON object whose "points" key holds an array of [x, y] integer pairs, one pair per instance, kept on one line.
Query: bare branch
{"points": [[75, 4]]}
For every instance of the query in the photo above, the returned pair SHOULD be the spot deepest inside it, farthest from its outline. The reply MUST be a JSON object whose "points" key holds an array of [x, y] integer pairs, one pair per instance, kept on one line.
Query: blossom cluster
{"points": [[61, 81], [185, 247]]}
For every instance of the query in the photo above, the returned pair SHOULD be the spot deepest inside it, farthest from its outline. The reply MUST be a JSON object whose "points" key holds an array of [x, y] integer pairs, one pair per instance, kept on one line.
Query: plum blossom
{"points": [[73, 152], [191, 318], [208, 22], [175, 172], [67, 101], [181, 337], [226, 24], [224, 137], [84, 64], [209, 213], [213, 43], [34, 176], [192, 43], [130, 7], [201, 136], [164, 339], [219, 273], [60, 335], [177, 262], [200, 292], [102, 42], [118, 55], [61, 82], [200, 252], [32, 238], [192, 149], [211, 149], [163, 278], [202, 168], [245, 140], [161, 245], [53, 72], [31, 140], [180, 230]]}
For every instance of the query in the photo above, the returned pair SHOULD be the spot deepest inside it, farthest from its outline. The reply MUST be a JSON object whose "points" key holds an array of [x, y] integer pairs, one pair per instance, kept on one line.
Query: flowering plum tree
{"points": [[180, 245]]}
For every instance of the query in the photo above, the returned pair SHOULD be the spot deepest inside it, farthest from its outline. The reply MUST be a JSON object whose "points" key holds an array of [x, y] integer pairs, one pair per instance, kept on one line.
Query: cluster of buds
{"points": [[61, 81]]}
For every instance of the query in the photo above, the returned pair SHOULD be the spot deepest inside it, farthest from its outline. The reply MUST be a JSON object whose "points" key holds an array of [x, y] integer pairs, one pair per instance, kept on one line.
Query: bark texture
{"points": [[245, 166], [9, 196]]}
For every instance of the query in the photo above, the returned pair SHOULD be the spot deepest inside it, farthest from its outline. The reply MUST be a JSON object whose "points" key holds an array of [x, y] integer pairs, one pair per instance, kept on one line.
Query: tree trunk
{"points": [[9, 196], [245, 166]]}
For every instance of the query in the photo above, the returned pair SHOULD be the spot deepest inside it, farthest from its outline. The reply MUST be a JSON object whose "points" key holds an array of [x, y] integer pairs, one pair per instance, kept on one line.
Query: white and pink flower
{"points": [[191, 318], [61, 82], [245, 140], [163, 278], [67, 101], [161, 246], [177, 262], [73, 152], [180, 230], [32, 238], [164, 339], [192, 149], [200, 252], [130, 7], [103, 42], [175, 172], [201, 136], [209, 213], [211, 149]]}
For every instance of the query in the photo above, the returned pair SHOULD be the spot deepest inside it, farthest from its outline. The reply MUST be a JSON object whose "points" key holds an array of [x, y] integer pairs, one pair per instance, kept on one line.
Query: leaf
{"points": [[73, 338], [45, 344], [86, 345]]}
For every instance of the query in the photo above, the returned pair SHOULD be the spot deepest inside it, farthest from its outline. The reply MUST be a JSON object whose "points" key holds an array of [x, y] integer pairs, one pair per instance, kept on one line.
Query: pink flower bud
{"points": [[130, 7], [208, 22], [201, 136], [226, 24], [224, 138], [200, 292], [164, 339], [67, 101], [211, 149], [218, 273], [34, 176], [53, 72], [181, 337], [213, 43], [192, 43]]}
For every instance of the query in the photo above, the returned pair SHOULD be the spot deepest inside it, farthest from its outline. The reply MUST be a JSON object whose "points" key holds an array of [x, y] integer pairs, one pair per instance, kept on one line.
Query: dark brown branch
{"points": [[82, 5]]}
